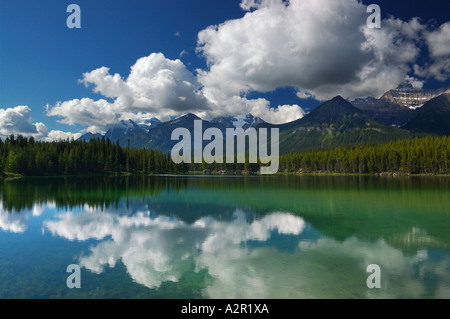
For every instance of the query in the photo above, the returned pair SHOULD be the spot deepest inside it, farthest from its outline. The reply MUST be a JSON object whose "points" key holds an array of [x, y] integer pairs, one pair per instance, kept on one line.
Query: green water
{"points": [[225, 237]]}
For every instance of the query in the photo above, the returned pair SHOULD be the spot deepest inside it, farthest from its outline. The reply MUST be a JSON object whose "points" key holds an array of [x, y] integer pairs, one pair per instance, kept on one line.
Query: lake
{"points": [[225, 237]]}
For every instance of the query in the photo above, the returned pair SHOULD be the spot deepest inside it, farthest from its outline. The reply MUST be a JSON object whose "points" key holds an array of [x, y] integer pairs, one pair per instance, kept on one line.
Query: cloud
{"points": [[241, 259], [13, 222], [223, 234], [56, 135], [183, 53], [148, 246], [323, 48], [281, 114], [260, 107], [18, 120], [313, 271], [156, 86], [160, 249], [439, 41], [439, 46], [88, 112], [17, 221]]}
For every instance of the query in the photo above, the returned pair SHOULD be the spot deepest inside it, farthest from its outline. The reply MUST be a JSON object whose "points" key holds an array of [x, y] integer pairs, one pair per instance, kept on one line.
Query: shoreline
{"points": [[218, 174]]}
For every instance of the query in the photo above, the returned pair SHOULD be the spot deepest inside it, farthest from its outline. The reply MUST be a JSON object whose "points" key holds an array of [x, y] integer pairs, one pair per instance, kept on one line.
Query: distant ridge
{"points": [[337, 109], [407, 96], [90, 136], [333, 123], [433, 117], [397, 106]]}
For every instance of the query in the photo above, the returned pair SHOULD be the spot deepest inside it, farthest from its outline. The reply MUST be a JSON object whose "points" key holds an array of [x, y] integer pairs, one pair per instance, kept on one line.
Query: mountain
{"points": [[433, 117], [244, 121], [150, 123], [397, 106], [125, 131], [336, 111], [89, 136], [334, 123], [383, 111], [407, 96], [157, 135], [160, 136]]}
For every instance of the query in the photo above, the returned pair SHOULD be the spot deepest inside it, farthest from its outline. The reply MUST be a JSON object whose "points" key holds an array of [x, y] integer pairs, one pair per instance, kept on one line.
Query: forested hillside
{"points": [[25, 156], [20, 155], [429, 155]]}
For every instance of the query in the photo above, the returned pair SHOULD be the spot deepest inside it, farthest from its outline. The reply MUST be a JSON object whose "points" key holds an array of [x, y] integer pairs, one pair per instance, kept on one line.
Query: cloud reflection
{"points": [[160, 248], [241, 256], [17, 221]]}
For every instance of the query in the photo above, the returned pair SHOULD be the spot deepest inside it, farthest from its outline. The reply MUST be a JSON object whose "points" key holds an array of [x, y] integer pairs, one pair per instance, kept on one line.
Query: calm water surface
{"points": [[225, 237]]}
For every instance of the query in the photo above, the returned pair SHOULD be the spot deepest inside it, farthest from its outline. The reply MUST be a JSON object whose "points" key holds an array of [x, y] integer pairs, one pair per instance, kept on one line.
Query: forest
{"points": [[24, 156], [428, 155]]}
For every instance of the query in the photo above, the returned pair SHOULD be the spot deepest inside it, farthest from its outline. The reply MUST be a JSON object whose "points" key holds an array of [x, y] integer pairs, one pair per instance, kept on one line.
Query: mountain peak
{"points": [[407, 96], [405, 86], [187, 116], [333, 109], [243, 121], [338, 99], [433, 117]]}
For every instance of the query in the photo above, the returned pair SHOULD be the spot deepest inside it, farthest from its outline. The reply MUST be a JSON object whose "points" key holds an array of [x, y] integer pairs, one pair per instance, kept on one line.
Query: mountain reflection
{"points": [[159, 248], [246, 237], [242, 256]]}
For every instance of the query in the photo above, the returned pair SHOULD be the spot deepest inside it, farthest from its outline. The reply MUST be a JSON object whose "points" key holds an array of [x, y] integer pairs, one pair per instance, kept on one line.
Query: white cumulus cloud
{"points": [[56, 135], [18, 120], [156, 86], [323, 48], [439, 45]]}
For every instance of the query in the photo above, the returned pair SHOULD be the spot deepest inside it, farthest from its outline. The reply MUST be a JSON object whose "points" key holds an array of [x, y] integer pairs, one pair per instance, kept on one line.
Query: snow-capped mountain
{"points": [[397, 106], [124, 128], [150, 123], [155, 134], [407, 96], [244, 121], [90, 136], [384, 111], [335, 122]]}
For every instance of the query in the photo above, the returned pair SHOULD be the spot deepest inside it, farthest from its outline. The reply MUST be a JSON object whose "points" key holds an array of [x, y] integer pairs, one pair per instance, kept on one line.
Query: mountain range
{"points": [[334, 123], [396, 115], [158, 135], [397, 106]]}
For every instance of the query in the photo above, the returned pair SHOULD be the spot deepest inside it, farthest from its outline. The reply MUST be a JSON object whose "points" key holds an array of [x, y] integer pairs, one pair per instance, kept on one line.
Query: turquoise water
{"points": [[225, 237]]}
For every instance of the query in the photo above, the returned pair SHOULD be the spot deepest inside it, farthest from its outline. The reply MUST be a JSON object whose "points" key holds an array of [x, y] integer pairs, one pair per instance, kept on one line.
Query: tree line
{"points": [[429, 155], [28, 157], [25, 156]]}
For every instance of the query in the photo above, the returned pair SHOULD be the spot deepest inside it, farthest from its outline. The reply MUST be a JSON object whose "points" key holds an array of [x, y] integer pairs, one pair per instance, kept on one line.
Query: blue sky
{"points": [[42, 61]]}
